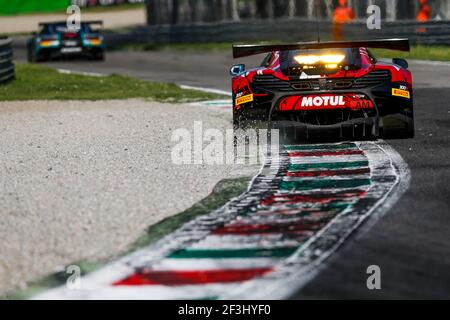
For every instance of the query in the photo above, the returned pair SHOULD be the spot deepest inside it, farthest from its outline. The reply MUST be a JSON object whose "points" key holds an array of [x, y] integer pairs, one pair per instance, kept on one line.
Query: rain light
{"points": [[329, 59]]}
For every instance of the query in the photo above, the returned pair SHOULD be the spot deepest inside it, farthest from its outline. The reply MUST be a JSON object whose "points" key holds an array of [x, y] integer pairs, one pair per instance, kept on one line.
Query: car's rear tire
{"points": [[399, 133], [31, 56], [237, 119], [99, 56], [406, 132]]}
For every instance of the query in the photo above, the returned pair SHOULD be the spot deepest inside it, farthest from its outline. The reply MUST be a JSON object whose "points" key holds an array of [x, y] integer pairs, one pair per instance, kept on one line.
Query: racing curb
{"points": [[269, 242]]}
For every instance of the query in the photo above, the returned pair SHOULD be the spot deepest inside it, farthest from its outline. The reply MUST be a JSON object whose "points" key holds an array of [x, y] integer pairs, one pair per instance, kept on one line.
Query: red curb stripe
{"points": [[328, 173], [190, 277], [325, 153], [314, 198], [286, 228], [294, 211]]}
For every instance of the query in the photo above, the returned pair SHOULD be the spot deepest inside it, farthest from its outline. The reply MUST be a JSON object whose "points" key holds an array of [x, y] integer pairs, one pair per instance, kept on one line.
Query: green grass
{"points": [[212, 46], [419, 52], [34, 82], [113, 8]]}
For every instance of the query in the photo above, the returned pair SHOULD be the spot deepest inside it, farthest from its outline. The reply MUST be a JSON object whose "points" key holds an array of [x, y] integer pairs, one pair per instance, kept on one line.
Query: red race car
{"points": [[325, 89]]}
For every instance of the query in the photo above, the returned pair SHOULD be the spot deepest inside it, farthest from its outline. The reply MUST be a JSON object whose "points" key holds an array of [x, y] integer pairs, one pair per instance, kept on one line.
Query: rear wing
{"points": [[98, 22], [246, 50]]}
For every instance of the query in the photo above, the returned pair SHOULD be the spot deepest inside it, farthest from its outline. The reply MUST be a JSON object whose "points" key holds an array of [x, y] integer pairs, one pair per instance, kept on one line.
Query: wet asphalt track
{"points": [[411, 244]]}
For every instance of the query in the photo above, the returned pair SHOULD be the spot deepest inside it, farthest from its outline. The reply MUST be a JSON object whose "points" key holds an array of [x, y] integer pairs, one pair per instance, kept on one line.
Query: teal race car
{"points": [[55, 41]]}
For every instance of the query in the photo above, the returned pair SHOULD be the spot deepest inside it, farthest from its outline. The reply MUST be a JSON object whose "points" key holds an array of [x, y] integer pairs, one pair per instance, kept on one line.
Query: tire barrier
{"points": [[7, 69]]}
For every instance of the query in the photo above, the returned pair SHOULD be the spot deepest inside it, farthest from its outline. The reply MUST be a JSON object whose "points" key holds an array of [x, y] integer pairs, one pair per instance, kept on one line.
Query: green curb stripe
{"points": [[322, 147], [325, 165], [232, 253], [306, 207], [323, 184]]}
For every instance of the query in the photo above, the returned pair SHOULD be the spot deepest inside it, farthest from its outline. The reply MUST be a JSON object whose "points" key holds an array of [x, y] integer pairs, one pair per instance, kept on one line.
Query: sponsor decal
{"points": [[244, 99], [323, 101], [317, 102], [401, 93]]}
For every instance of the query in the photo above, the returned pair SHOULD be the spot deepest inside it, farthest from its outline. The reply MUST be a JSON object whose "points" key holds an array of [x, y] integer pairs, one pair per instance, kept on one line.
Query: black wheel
{"points": [[249, 116], [238, 118], [31, 57], [99, 56], [406, 132]]}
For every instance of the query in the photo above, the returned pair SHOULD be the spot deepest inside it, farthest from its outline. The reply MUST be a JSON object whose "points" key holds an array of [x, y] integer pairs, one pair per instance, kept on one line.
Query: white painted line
{"points": [[213, 104], [208, 90], [83, 73]]}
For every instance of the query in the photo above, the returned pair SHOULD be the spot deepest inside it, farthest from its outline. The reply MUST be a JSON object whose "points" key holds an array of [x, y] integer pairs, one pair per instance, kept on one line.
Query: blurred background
{"points": [[192, 11], [86, 163], [168, 21]]}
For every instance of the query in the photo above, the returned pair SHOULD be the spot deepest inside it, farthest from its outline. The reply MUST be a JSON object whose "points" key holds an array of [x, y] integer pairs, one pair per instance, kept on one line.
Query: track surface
{"points": [[411, 243]]}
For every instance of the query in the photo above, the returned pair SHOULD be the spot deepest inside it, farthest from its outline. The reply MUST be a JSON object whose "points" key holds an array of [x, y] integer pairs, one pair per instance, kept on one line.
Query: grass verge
{"points": [[197, 47], [96, 9], [221, 194], [35, 82], [114, 8], [418, 52]]}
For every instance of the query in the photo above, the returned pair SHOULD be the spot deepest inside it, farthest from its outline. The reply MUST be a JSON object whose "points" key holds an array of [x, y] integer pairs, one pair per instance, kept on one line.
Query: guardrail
{"points": [[296, 29], [7, 69]]}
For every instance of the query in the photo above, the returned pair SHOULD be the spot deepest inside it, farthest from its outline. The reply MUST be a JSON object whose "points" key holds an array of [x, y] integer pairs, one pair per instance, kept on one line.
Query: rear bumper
{"points": [[361, 128], [57, 52], [387, 116]]}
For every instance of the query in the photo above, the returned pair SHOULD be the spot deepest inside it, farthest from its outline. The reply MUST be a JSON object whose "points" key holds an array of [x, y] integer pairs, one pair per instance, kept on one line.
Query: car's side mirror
{"points": [[401, 62], [237, 69]]}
